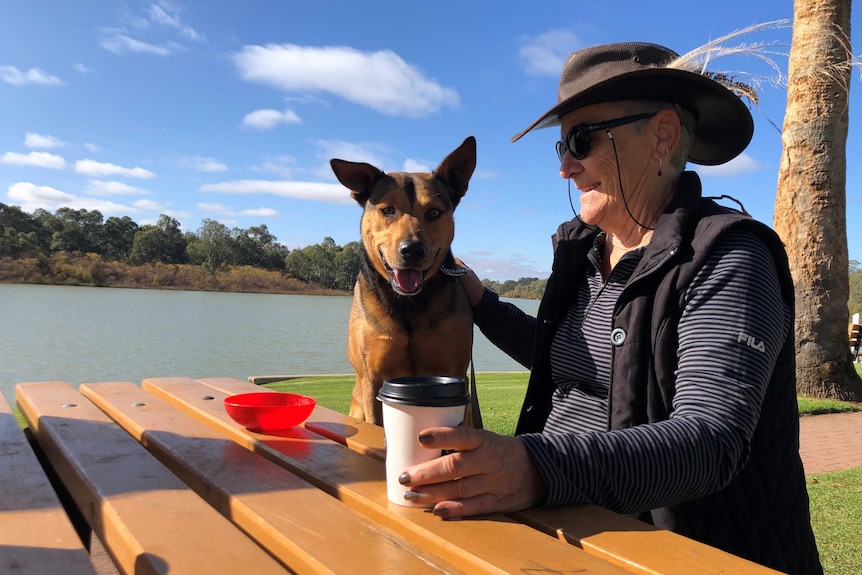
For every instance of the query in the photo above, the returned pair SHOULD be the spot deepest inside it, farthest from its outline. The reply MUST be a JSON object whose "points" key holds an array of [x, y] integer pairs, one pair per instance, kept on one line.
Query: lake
{"points": [[83, 334]]}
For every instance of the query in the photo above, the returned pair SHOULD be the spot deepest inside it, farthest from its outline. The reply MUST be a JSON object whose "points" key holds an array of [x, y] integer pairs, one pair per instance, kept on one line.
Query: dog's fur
{"points": [[409, 316]]}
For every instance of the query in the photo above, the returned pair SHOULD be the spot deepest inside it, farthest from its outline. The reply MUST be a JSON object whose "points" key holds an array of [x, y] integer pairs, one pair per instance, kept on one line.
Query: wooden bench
{"points": [[854, 334], [37, 535], [149, 521], [621, 540]]}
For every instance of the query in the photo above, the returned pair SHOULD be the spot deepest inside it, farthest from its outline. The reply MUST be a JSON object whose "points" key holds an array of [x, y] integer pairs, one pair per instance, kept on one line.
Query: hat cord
{"points": [[620, 178]]}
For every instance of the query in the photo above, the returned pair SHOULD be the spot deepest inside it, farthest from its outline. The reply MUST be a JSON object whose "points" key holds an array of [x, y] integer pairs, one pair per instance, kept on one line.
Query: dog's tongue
{"points": [[409, 280]]}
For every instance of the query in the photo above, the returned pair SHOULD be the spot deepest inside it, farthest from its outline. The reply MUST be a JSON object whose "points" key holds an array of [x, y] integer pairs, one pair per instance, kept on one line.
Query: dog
{"points": [[409, 316]]}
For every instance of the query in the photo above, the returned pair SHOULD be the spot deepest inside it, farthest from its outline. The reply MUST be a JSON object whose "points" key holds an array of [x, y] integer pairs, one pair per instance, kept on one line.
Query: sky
{"points": [[231, 111]]}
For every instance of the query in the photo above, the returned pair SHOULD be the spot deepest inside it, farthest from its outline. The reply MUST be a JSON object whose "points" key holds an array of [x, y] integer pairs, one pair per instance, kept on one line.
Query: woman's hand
{"points": [[471, 283], [486, 473]]}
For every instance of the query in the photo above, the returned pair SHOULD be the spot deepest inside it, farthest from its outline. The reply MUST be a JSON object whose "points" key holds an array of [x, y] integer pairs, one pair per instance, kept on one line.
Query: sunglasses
{"points": [[577, 140]]}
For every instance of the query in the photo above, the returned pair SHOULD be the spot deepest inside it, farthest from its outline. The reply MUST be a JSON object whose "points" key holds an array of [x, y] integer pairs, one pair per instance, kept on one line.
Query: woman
{"points": [[662, 358]]}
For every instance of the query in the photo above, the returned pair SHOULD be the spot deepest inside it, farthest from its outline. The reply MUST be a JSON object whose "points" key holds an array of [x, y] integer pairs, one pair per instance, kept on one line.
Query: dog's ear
{"points": [[358, 177], [457, 168]]}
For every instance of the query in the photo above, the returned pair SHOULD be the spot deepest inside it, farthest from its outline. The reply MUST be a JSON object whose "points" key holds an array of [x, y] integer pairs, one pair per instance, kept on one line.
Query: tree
{"points": [[347, 263], [20, 234], [163, 242], [117, 237], [214, 246], [811, 199], [77, 231], [259, 248]]}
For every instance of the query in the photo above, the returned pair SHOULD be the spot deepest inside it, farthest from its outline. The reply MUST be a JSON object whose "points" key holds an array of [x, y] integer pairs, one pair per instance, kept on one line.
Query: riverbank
{"points": [[91, 270]]}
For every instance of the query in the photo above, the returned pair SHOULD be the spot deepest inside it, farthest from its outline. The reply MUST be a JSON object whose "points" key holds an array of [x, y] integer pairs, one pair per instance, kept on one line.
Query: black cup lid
{"points": [[425, 390]]}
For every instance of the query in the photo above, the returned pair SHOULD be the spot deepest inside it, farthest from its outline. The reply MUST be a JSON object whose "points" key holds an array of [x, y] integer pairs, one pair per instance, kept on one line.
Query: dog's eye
{"points": [[434, 214], [388, 211]]}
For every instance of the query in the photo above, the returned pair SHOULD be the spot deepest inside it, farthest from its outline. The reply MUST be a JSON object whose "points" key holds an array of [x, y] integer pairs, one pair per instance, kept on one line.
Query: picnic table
{"points": [[168, 483]]}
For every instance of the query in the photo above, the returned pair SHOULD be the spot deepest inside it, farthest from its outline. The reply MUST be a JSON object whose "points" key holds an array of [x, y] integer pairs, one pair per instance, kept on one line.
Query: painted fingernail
{"points": [[404, 479], [411, 495], [426, 438], [441, 512]]}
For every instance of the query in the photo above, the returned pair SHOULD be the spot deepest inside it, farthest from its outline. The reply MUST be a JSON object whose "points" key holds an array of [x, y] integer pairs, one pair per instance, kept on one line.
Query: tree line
{"points": [[214, 247]]}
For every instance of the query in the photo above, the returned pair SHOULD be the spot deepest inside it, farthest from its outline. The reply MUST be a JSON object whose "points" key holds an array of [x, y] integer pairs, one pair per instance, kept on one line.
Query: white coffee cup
{"points": [[411, 404]]}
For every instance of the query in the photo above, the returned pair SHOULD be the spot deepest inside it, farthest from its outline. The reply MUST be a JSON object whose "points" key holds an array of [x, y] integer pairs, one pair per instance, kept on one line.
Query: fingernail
{"points": [[411, 495], [441, 512], [426, 438], [404, 479]]}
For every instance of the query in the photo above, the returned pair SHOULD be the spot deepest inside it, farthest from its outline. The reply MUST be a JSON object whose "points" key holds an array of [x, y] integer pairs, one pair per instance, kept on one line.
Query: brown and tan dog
{"points": [[410, 315]]}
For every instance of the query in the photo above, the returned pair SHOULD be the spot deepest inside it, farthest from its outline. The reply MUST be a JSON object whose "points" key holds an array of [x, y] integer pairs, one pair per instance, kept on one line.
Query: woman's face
{"points": [[596, 175]]}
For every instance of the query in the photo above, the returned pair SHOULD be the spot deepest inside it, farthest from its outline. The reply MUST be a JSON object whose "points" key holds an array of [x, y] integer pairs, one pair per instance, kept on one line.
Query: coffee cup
{"points": [[411, 404]]}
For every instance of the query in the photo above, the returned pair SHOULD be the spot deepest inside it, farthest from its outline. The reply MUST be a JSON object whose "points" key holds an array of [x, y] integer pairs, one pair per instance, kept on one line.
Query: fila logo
{"points": [[751, 342]]}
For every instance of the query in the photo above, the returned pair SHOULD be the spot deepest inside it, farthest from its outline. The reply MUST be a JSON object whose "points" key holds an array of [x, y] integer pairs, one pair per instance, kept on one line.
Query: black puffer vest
{"points": [[762, 515]]}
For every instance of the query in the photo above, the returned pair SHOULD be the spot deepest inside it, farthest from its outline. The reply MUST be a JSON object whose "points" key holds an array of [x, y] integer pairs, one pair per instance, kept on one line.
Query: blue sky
{"points": [[231, 110]]}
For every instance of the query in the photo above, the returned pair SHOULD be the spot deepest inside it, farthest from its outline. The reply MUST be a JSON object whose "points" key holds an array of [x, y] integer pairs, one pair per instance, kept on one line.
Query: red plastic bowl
{"points": [[265, 411]]}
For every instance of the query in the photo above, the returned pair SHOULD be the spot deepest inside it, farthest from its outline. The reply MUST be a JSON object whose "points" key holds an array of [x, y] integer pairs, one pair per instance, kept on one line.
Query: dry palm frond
{"points": [[700, 58]]}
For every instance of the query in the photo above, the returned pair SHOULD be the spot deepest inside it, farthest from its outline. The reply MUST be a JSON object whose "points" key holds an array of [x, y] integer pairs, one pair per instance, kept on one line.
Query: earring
{"points": [[659, 162]]}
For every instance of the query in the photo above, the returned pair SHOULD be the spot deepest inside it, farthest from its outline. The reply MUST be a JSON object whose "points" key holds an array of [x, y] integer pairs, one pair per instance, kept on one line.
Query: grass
{"points": [[500, 395], [836, 514], [836, 498], [815, 406]]}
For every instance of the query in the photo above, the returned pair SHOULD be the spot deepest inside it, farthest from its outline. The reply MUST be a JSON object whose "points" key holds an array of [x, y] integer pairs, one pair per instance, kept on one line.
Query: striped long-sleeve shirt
{"points": [[718, 392]]}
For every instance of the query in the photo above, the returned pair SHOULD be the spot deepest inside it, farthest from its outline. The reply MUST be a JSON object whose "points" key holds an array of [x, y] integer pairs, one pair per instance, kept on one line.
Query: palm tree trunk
{"points": [[810, 206]]}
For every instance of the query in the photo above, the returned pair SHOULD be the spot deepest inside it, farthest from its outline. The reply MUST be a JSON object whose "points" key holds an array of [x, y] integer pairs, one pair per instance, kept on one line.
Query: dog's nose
{"points": [[411, 251]]}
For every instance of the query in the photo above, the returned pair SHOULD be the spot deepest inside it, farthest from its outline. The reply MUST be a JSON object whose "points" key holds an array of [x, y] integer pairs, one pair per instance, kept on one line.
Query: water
{"points": [[81, 334]]}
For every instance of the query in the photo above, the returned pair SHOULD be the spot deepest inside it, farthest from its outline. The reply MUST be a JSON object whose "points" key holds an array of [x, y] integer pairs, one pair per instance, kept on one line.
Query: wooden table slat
{"points": [[360, 436], [319, 535], [148, 520], [38, 536], [623, 540], [496, 544]]}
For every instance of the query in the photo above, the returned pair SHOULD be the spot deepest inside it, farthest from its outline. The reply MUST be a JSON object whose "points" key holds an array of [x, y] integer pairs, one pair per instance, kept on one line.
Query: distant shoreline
{"points": [[86, 270]]}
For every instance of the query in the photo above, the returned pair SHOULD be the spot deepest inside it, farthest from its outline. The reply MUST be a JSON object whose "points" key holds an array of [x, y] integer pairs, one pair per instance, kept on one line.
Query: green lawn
{"points": [[836, 498]]}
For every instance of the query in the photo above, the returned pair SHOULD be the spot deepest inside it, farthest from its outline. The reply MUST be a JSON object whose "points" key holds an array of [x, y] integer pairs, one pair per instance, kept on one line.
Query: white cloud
{"points": [[41, 141], [159, 15], [313, 191], [37, 159], [269, 119], [16, 77], [411, 165], [148, 205], [120, 44], [284, 166], [202, 164], [259, 212], [742, 164], [32, 197], [91, 147], [218, 208], [368, 153], [94, 168], [81, 68], [102, 188], [545, 54], [31, 193], [226, 211], [379, 80]]}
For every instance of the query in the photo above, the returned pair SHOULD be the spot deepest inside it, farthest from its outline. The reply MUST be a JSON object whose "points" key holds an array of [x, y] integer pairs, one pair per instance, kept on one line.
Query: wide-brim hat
{"points": [[723, 125]]}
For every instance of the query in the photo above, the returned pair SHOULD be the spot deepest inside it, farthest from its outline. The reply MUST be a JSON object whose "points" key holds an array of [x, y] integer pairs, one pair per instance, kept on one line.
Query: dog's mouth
{"points": [[405, 281]]}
